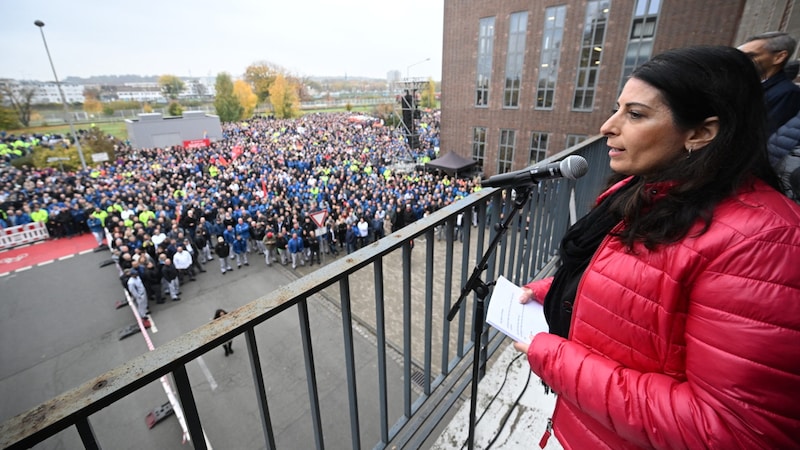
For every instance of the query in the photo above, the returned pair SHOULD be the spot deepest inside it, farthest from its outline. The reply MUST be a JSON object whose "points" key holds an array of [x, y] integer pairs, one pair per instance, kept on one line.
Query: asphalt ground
{"points": [[59, 328]]}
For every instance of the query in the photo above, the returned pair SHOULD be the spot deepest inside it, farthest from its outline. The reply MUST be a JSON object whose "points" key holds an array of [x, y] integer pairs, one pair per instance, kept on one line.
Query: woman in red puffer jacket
{"points": [[675, 315]]}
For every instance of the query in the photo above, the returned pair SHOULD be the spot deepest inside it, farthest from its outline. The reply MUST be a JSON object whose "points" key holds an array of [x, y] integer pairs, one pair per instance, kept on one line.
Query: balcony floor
{"points": [[526, 422]]}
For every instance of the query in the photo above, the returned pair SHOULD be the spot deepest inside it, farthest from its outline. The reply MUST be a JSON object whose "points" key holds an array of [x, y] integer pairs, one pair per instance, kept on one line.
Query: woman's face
{"points": [[642, 136]]}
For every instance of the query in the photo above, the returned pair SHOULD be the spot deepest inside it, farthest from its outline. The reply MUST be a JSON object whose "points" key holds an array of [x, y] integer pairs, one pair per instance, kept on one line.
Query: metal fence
{"points": [[406, 285]]}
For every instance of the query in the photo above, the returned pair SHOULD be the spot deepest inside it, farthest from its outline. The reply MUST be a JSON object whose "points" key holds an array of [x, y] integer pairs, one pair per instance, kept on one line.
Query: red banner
{"points": [[196, 143], [236, 152]]}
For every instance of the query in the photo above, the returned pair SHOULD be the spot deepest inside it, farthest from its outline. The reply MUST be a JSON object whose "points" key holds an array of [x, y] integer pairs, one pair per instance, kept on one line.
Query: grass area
{"points": [[117, 129]]}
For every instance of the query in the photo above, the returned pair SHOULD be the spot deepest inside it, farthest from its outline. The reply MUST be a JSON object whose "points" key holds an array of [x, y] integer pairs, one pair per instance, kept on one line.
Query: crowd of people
{"points": [[169, 211]]}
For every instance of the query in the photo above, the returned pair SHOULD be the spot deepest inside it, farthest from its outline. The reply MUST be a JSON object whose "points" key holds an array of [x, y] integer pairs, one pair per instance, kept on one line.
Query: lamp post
{"points": [[408, 69], [40, 24]]}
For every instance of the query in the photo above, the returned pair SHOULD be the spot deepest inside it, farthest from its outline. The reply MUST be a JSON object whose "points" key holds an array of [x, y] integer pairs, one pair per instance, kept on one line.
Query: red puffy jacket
{"points": [[693, 345]]}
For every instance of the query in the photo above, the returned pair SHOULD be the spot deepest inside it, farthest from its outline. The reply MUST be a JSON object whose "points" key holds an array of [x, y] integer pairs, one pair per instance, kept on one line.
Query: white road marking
{"points": [[207, 373], [65, 257], [22, 269], [45, 263]]}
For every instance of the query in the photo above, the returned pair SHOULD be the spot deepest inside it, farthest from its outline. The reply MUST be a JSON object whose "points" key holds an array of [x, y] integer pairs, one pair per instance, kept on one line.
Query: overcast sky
{"points": [[204, 37]]}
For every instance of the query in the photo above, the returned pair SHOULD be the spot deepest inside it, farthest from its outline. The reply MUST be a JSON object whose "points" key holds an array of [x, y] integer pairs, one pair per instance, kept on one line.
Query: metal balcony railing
{"points": [[398, 291]]}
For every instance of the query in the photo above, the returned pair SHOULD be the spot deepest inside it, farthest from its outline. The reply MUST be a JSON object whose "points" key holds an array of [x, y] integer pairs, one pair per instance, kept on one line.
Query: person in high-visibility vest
{"points": [[39, 214], [100, 214]]}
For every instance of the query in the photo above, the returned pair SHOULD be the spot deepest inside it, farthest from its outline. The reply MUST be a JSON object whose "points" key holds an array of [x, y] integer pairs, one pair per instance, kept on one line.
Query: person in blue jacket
{"points": [[240, 250], [296, 248], [243, 230], [96, 227]]}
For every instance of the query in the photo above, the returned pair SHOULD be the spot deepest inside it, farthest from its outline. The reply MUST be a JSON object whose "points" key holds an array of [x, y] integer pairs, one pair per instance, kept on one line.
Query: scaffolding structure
{"points": [[409, 92]]}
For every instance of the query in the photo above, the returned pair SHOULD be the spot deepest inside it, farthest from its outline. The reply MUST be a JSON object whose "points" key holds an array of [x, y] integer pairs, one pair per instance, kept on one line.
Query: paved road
{"points": [[59, 328]]}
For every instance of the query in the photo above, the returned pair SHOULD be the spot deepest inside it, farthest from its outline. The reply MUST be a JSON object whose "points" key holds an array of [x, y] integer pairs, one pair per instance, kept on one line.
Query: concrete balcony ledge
{"points": [[512, 425]]}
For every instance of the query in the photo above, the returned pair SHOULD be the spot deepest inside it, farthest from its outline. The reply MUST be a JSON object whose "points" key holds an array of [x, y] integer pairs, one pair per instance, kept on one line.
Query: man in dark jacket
{"points": [[770, 52], [223, 250], [351, 238], [281, 244], [170, 274], [152, 282]]}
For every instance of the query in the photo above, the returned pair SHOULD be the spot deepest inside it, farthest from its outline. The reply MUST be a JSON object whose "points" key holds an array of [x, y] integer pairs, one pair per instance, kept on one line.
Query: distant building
{"points": [[393, 76], [522, 80], [141, 94], [197, 88], [46, 92]]}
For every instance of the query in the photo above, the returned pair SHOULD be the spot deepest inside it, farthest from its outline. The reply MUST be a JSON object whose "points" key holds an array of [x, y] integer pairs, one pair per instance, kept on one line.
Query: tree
{"points": [[201, 90], [171, 86], [99, 142], [386, 112], [261, 75], [92, 105], [91, 102], [283, 96], [244, 93], [174, 109], [428, 95], [228, 107], [91, 92], [20, 102], [8, 119]]}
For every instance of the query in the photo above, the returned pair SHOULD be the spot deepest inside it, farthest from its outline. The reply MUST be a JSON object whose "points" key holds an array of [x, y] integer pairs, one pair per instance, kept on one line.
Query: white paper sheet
{"points": [[514, 319]]}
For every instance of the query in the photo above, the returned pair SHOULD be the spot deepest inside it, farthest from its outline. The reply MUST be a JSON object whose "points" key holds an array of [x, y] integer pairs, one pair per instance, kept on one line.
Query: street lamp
{"points": [[40, 24], [408, 69]]}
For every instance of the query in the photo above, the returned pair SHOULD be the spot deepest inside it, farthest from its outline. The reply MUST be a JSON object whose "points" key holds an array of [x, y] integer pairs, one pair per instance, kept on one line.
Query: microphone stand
{"points": [[481, 290]]}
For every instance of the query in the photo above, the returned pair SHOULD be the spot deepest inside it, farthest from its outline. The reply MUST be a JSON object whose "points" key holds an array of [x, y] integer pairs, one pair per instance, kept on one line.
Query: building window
{"points": [[594, 32], [479, 144], [643, 31], [538, 149], [551, 53], [484, 72], [515, 58], [575, 139], [505, 153]]}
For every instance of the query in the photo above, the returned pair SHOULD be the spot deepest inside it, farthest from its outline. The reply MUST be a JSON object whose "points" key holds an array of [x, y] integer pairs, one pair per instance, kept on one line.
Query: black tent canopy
{"points": [[451, 163]]}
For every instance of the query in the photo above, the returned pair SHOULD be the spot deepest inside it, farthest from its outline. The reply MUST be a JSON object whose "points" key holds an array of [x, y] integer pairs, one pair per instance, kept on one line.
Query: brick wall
{"points": [[680, 23]]}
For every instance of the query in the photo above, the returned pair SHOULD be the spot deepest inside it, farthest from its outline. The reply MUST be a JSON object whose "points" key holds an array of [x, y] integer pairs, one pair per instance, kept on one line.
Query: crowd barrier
{"points": [[22, 234]]}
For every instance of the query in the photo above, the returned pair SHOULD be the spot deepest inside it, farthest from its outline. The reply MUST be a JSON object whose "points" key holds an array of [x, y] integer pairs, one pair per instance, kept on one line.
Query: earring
{"points": [[690, 149]]}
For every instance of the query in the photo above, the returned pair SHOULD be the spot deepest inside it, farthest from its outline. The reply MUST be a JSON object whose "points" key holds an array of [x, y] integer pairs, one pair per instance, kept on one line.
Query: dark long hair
{"points": [[697, 83]]}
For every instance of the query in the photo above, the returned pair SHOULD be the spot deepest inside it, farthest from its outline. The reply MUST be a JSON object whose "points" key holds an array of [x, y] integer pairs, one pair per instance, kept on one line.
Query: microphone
{"points": [[572, 167]]}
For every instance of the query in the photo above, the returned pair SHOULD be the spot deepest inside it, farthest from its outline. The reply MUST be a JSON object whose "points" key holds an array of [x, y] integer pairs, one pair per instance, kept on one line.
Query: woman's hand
{"points": [[522, 347], [526, 295]]}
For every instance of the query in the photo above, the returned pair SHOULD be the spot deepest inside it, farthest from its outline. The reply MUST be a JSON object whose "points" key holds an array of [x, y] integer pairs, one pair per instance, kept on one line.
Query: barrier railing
{"points": [[22, 234], [408, 283]]}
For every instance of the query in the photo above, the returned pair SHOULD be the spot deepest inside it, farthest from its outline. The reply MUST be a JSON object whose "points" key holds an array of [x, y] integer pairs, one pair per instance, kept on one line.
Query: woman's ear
{"points": [[703, 134]]}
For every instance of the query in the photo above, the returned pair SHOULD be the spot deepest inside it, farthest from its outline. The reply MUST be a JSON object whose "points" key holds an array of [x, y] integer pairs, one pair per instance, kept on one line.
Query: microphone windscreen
{"points": [[574, 167]]}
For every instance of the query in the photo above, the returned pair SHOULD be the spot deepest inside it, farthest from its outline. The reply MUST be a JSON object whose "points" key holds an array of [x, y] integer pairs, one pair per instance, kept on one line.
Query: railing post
{"points": [[311, 373], [380, 329], [350, 361], [86, 433], [189, 407], [407, 353], [261, 392]]}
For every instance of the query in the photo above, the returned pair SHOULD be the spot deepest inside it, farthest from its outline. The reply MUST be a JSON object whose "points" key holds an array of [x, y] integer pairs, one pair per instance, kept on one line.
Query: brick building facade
{"points": [[524, 79]]}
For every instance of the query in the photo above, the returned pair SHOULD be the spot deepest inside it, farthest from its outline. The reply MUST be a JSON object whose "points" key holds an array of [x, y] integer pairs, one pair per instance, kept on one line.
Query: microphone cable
{"points": [[514, 405]]}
